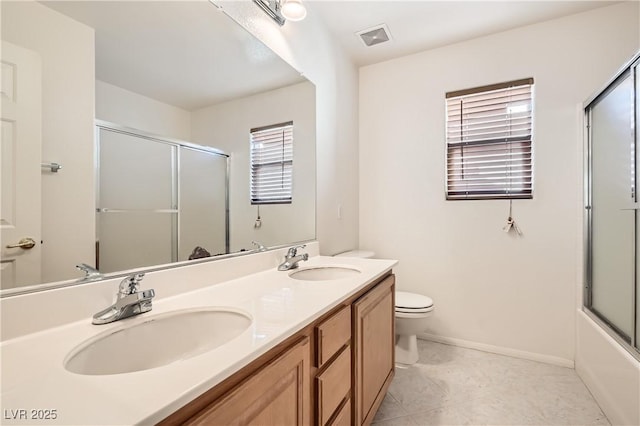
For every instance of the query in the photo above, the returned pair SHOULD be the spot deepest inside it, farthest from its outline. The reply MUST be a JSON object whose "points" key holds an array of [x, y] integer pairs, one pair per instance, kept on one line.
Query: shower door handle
{"points": [[633, 207]]}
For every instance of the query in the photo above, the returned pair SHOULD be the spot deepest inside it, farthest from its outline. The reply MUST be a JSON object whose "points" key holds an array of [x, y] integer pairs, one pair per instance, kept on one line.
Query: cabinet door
{"points": [[374, 344], [278, 394]]}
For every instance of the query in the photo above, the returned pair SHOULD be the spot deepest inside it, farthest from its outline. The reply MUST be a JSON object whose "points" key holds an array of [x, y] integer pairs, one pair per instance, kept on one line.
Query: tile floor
{"points": [[450, 385]]}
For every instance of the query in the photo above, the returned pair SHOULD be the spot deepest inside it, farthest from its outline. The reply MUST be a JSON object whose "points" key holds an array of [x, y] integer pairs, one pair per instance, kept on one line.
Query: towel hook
{"points": [[53, 167]]}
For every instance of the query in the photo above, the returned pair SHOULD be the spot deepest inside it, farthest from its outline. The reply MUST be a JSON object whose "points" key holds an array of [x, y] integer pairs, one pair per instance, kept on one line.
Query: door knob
{"points": [[25, 243]]}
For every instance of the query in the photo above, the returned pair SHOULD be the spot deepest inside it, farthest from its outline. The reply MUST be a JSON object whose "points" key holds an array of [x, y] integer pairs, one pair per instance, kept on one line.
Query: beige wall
{"points": [[68, 73], [515, 294], [227, 125], [130, 109]]}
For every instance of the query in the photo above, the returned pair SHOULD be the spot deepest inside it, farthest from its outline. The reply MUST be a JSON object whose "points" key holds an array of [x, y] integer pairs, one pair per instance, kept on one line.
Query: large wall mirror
{"points": [[148, 108]]}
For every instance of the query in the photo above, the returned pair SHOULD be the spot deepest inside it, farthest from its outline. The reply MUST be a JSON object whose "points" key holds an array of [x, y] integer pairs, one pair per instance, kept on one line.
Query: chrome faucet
{"points": [[130, 301], [291, 259], [259, 246], [91, 273]]}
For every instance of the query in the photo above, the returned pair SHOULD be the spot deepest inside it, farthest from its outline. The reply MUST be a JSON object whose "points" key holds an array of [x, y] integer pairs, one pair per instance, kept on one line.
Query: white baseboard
{"points": [[499, 350]]}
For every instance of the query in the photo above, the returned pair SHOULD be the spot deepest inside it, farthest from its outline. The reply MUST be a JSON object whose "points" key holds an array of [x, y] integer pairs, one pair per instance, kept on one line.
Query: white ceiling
{"points": [[421, 24], [185, 53], [190, 54]]}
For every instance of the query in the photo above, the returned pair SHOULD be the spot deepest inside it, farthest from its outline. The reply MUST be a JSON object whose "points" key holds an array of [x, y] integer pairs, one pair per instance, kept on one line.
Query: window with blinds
{"points": [[489, 142], [272, 164]]}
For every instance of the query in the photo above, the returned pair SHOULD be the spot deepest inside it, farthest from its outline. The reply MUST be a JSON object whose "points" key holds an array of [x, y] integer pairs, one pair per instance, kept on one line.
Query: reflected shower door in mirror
{"points": [[159, 201], [179, 69]]}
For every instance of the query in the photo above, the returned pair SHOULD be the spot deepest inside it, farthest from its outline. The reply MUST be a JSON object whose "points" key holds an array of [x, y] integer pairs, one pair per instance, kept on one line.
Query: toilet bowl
{"points": [[411, 313]]}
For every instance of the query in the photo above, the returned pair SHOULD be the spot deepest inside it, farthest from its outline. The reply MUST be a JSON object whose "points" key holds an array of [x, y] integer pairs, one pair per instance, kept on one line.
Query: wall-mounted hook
{"points": [[53, 167]]}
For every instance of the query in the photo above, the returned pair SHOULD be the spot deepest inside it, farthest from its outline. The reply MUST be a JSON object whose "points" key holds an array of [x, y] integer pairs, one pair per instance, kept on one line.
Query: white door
{"points": [[20, 157]]}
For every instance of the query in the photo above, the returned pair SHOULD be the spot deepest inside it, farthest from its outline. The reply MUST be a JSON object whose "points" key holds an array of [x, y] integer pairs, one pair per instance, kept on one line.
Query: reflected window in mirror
{"points": [[272, 164]]}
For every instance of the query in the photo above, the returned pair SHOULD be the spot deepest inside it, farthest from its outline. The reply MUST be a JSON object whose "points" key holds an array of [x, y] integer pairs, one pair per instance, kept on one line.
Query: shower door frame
{"points": [[177, 144], [632, 67]]}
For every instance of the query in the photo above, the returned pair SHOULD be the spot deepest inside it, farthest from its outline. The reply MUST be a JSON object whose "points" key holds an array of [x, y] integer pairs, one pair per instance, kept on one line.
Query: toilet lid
{"points": [[412, 302], [364, 254]]}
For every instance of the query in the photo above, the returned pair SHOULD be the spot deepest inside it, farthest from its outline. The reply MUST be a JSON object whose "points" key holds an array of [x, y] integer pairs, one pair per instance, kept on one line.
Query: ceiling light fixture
{"points": [[281, 10], [293, 10]]}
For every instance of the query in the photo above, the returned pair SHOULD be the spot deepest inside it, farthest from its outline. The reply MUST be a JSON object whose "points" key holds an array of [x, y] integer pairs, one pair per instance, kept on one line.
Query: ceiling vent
{"points": [[375, 35]]}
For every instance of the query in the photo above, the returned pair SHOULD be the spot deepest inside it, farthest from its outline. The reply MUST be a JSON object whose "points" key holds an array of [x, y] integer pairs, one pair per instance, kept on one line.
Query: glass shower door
{"points": [[203, 202], [636, 129], [137, 202], [158, 200], [613, 207]]}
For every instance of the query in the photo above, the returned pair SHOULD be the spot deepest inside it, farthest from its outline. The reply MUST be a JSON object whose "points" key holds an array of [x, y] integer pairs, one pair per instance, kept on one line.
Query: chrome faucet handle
{"points": [[90, 273], [259, 246], [129, 301], [293, 251], [130, 285], [87, 269], [291, 259]]}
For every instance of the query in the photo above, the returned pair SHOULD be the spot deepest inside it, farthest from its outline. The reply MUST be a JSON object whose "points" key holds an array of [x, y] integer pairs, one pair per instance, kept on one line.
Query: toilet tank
{"points": [[363, 254]]}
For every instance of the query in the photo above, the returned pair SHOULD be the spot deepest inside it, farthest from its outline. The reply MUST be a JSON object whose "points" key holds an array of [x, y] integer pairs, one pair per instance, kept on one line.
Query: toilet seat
{"points": [[412, 303], [416, 315], [413, 311]]}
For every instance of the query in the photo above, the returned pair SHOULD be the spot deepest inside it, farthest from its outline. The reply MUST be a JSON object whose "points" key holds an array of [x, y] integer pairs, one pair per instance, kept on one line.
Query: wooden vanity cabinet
{"points": [[334, 372], [274, 389], [277, 394], [374, 349]]}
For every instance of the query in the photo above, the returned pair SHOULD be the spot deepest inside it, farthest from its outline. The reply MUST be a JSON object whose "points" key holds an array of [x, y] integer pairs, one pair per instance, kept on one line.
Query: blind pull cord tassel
{"points": [[511, 223]]}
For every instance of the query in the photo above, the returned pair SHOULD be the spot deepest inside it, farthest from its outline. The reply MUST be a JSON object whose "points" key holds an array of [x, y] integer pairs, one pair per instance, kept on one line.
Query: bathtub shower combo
{"points": [[612, 218]]}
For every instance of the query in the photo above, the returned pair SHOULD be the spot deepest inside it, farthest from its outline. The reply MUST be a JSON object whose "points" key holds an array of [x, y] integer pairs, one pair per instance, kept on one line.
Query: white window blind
{"points": [[489, 141], [272, 164]]}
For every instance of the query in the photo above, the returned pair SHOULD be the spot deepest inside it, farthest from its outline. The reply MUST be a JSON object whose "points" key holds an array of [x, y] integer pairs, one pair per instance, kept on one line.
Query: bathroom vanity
{"points": [[319, 350], [334, 370]]}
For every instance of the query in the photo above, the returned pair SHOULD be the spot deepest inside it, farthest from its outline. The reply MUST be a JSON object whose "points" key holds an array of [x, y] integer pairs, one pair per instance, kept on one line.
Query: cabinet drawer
{"points": [[333, 385], [343, 418], [333, 334]]}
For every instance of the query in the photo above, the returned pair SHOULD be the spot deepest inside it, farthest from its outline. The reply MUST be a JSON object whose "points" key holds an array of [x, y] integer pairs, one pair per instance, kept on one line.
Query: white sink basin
{"points": [[324, 273], [159, 340]]}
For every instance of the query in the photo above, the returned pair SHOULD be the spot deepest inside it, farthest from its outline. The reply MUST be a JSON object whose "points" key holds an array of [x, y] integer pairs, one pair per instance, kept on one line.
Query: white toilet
{"points": [[412, 311]]}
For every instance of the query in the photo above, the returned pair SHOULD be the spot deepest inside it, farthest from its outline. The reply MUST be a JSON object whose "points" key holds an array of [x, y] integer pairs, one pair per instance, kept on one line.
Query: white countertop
{"points": [[34, 377]]}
